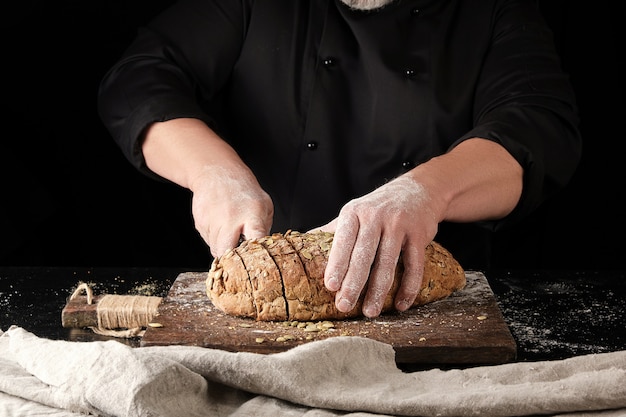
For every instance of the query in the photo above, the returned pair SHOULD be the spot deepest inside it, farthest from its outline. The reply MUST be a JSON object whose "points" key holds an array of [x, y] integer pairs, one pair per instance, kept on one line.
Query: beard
{"points": [[366, 4]]}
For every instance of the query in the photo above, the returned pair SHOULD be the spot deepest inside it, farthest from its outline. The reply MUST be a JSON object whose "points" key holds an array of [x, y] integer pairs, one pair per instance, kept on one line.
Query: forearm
{"points": [[186, 150], [228, 201], [477, 180]]}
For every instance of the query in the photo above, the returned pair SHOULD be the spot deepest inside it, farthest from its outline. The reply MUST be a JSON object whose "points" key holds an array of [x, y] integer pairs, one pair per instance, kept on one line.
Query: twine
{"points": [[121, 315]]}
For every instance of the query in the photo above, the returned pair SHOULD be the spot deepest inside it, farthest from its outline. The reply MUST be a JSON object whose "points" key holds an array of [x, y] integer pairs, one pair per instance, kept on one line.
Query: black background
{"points": [[69, 198]]}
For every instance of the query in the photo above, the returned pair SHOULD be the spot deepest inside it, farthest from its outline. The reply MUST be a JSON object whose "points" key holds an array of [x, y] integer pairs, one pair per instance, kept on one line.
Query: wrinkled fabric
{"points": [[351, 376]]}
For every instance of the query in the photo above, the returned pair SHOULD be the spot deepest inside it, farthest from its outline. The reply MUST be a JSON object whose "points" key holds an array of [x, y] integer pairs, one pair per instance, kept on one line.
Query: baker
{"points": [[387, 122]]}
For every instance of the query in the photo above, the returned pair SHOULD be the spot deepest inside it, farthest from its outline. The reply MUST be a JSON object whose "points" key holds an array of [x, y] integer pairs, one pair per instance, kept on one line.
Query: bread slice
{"points": [[285, 279], [229, 285], [313, 250], [265, 280], [299, 293]]}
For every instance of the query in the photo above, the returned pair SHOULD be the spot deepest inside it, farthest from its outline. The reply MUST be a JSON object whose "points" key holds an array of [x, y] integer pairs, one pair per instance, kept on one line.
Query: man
{"points": [[390, 123]]}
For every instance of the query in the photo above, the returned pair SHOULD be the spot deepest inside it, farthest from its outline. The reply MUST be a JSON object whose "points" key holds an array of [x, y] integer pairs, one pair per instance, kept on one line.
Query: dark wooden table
{"points": [[551, 314]]}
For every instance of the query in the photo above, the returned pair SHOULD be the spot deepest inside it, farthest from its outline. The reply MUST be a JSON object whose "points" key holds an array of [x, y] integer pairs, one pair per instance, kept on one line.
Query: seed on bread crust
{"points": [[281, 277]]}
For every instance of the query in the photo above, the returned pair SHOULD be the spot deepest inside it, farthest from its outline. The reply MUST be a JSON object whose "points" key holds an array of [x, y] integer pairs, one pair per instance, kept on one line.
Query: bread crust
{"points": [[281, 277], [265, 281], [313, 250], [228, 285], [297, 290]]}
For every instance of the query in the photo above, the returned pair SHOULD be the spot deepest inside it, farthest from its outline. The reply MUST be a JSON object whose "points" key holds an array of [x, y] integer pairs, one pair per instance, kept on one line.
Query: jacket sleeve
{"points": [[186, 51], [525, 102]]}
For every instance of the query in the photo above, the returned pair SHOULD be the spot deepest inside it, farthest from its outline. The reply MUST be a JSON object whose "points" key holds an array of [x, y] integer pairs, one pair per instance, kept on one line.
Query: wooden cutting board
{"points": [[465, 328]]}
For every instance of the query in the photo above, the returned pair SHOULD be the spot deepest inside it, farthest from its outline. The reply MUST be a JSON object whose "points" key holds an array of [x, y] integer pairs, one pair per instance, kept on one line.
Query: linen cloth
{"points": [[339, 376]]}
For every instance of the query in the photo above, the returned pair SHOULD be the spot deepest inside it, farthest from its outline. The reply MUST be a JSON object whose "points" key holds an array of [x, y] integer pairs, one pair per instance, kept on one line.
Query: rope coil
{"points": [[120, 315]]}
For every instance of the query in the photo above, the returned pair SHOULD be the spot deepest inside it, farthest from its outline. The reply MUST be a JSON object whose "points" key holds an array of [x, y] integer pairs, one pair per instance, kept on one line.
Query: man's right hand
{"points": [[228, 205], [228, 201]]}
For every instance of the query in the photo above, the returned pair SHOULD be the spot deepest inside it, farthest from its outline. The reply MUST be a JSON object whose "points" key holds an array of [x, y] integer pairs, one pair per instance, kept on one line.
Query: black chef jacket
{"points": [[325, 103]]}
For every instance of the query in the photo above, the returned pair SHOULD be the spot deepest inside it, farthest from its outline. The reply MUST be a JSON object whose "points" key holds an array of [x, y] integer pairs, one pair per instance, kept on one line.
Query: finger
{"points": [[255, 229], [359, 267], [381, 276], [412, 277], [340, 252], [225, 240]]}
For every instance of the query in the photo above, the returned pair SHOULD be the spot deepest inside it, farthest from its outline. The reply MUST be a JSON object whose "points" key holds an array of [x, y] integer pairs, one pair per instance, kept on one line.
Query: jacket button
{"points": [[329, 62], [407, 165], [415, 12], [409, 73], [311, 146]]}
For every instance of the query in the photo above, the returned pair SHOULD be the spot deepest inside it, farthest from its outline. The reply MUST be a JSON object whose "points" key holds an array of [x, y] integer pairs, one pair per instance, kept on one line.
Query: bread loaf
{"points": [[281, 277]]}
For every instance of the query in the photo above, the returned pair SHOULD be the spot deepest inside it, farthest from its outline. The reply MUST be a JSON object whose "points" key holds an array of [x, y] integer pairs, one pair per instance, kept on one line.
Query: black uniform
{"points": [[325, 103]]}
